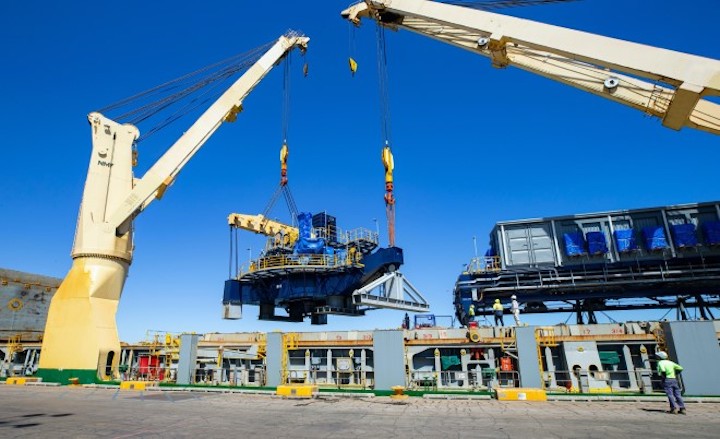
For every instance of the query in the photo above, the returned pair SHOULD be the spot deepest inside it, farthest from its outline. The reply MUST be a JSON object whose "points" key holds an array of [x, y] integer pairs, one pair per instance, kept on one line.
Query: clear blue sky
{"points": [[473, 145]]}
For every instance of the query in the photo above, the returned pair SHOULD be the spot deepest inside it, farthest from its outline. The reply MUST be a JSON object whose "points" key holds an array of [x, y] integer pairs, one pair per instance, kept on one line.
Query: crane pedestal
{"points": [[81, 339]]}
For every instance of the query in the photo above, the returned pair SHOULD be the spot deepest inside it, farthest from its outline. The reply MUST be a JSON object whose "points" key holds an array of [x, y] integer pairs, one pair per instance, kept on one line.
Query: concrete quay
{"points": [[69, 412]]}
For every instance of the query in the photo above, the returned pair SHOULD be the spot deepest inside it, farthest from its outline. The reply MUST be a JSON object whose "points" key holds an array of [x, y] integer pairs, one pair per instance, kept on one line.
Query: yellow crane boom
{"points": [[284, 234]]}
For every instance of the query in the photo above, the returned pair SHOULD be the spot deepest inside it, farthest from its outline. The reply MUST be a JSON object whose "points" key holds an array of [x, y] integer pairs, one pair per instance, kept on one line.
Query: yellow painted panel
{"points": [[20, 381], [296, 390], [137, 385], [606, 389], [521, 394], [80, 328]]}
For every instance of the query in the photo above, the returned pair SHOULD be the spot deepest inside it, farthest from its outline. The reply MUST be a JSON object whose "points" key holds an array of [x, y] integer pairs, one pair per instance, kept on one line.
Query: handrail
{"points": [[303, 260], [484, 264]]}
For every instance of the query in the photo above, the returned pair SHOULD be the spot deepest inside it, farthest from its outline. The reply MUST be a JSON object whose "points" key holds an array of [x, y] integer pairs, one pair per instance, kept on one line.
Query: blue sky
{"points": [[473, 145]]}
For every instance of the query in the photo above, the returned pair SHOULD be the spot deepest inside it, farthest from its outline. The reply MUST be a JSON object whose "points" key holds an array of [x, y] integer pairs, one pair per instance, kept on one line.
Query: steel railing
{"points": [[302, 260], [484, 264], [607, 381], [362, 379]]}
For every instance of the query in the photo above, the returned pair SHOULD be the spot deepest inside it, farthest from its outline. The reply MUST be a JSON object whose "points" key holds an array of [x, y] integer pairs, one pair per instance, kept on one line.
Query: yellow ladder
{"points": [[289, 342], [511, 341], [262, 344]]}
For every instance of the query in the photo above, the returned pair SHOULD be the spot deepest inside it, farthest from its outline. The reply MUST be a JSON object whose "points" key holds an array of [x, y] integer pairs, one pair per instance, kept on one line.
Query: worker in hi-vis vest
{"points": [[667, 370], [498, 312], [471, 313]]}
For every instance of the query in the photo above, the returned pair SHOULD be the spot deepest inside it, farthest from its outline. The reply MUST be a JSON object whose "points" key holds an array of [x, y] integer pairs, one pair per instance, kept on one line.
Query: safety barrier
{"points": [[607, 381], [360, 234], [356, 379], [148, 373], [484, 264], [428, 380], [233, 376], [303, 260], [486, 378]]}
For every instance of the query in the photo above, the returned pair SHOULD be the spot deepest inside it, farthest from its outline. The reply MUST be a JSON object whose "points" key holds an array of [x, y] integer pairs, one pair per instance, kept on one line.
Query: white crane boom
{"points": [[168, 166], [663, 83]]}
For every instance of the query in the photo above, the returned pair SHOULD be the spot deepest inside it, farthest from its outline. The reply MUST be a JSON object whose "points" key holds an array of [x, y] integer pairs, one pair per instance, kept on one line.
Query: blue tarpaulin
{"points": [[712, 232], [654, 238], [684, 235], [574, 244], [625, 240], [305, 224], [310, 246], [305, 244], [596, 243]]}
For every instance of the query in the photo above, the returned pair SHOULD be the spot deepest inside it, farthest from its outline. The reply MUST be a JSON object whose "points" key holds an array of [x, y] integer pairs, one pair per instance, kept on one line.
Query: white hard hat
{"points": [[472, 306], [661, 355], [513, 297]]}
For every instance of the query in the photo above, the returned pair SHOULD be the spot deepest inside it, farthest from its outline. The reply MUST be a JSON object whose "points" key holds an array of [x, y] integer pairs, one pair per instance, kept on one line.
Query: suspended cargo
{"points": [[327, 271]]}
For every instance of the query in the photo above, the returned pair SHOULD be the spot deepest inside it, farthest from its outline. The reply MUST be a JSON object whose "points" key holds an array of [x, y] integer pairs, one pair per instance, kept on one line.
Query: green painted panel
{"points": [[62, 376]]}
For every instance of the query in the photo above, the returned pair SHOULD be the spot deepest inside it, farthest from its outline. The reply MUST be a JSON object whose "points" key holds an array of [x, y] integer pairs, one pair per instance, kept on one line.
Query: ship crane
{"points": [[81, 338], [663, 83]]}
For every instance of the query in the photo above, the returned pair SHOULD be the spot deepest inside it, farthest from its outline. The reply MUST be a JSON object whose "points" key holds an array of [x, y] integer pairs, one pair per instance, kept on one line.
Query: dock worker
{"points": [[471, 313], [515, 308], [667, 370], [498, 311]]}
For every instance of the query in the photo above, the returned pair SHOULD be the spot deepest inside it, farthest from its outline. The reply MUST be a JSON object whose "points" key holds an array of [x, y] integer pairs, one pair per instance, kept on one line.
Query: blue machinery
{"points": [[665, 257], [326, 272]]}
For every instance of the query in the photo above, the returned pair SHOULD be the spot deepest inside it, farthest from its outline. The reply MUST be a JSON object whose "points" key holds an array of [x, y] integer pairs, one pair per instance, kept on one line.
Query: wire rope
{"points": [[488, 5], [383, 85], [184, 94]]}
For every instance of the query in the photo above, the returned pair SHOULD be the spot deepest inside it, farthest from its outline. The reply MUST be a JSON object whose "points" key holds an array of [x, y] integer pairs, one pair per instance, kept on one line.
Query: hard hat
{"points": [[497, 300], [513, 297], [472, 306], [661, 355]]}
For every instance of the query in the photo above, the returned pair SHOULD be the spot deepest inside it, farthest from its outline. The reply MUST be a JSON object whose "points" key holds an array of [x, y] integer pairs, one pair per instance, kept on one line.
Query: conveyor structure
{"points": [[651, 258]]}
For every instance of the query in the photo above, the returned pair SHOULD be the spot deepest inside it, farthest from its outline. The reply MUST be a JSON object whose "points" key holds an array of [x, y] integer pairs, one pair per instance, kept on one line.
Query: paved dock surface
{"points": [[66, 412]]}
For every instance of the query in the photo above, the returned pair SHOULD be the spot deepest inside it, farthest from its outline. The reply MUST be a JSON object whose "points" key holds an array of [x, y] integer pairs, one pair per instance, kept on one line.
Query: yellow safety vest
{"points": [[668, 368]]}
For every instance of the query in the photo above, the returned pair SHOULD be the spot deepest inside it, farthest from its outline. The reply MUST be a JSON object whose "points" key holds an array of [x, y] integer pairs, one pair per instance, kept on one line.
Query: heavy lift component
{"points": [[659, 82], [345, 278], [316, 270], [81, 339]]}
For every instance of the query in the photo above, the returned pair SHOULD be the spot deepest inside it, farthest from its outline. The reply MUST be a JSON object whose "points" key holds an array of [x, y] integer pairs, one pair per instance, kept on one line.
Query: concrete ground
{"points": [[66, 412]]}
